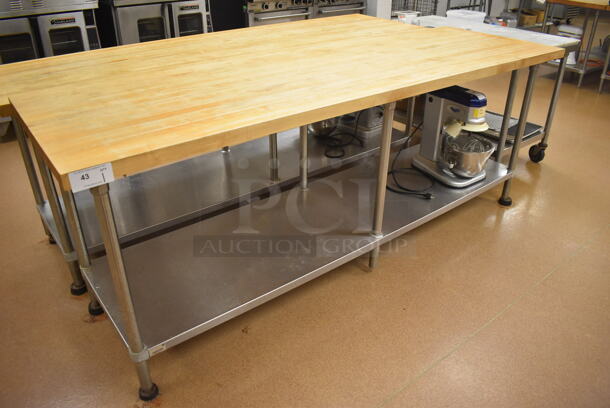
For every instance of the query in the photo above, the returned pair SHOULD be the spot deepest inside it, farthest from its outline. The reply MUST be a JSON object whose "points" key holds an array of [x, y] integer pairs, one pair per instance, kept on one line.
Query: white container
{"points": [[469, 15], [407, 17]]}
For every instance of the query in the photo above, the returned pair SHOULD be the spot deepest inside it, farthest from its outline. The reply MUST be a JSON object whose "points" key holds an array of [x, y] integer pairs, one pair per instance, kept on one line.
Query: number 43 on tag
{"points": [[92, 177]]}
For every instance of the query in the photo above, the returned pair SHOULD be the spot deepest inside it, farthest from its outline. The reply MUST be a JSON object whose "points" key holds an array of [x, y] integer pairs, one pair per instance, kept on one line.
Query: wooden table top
{"points": [[174, 99], [592, 4], [63, 70]]}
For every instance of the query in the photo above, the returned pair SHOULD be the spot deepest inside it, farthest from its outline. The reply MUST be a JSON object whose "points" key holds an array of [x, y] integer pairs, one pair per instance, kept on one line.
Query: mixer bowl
{"points": [[468, 161], [323, 128]]}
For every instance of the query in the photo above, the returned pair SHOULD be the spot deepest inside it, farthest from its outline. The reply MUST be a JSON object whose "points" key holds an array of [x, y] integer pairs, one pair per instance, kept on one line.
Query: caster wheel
{"points": [[149, 395], [52, 240], [506, 202], [95, 311], [536, 154], [78, 290]]}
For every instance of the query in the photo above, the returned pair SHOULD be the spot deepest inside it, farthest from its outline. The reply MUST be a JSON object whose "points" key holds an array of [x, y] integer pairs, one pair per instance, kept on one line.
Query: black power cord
{"points": [[401, 189], [337, 141]]}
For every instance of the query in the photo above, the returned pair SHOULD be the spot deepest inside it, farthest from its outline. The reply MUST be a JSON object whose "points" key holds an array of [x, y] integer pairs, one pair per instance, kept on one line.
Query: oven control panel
{"points": [[261, 6]]}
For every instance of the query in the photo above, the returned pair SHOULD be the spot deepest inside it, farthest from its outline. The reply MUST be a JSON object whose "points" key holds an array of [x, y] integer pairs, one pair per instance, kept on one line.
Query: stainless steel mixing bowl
{"points": [[465, 160]]}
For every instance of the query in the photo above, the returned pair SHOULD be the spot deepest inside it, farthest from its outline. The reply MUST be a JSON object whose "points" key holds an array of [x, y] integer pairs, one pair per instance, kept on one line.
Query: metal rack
{"points": [[581, 68], [481, 5], [425, 7], [605, 74]]}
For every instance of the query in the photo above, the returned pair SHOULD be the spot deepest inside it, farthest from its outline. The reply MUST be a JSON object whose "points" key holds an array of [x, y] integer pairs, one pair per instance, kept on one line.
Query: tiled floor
{"points": [[485, 307]]}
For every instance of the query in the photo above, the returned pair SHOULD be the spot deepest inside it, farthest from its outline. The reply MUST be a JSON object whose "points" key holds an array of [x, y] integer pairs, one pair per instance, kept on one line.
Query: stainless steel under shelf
{"points": [[162, 198], [179, 293]]}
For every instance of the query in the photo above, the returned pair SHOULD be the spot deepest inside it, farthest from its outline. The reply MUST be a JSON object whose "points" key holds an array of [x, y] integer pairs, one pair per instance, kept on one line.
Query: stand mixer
{"points": [[449, 152]]}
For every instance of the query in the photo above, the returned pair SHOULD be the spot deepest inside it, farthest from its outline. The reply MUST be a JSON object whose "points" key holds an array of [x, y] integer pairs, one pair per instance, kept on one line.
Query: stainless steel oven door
{"points": [[63, 33], [273, 17], [16, 41], [142, 23], [189, 18], [328, 11]]}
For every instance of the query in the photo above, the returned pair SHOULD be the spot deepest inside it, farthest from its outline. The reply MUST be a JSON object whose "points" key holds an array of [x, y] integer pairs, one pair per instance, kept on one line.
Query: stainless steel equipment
{"points": [[323, 128], [68, 32], [16, 41], [141, 23], [64, 26], [328, 8], [263, 12], [149, 20], [25, 8], [447, 152], [190, 17], [364, 123]]}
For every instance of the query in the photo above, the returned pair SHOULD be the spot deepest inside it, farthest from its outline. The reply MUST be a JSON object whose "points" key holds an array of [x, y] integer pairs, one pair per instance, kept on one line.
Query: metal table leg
{"points": [[585, 24], [410, 115], [508, 109], [78, 286], [588, 49], [76, 231], [604, 72], [527, 98], [138, 353], [548, 9], [382, 177], [536, 152], [304, 157], [274, 162], [31, 171]]}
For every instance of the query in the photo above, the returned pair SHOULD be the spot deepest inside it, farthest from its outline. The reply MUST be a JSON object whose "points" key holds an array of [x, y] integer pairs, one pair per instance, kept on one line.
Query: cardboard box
{"points": [[539, 15], [527, 19]]}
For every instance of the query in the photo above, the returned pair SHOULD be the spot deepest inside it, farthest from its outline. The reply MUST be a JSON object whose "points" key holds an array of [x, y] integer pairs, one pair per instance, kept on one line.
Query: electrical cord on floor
{"points": [[336, 142], [401, 189]]}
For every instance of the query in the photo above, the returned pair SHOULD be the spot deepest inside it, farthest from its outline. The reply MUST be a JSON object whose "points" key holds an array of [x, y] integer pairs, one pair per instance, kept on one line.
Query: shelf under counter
{"points": [[163, 198], [178, 292]]}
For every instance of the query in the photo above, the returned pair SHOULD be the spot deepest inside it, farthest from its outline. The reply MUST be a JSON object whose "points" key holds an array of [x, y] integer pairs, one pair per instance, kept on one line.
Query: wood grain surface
{"points": [[174, 99], [592, 4]]}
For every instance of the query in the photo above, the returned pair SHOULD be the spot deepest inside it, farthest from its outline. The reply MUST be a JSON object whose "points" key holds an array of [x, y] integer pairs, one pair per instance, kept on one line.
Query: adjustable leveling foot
{"points": [[150, 394], [77, 290], [95, 309]]}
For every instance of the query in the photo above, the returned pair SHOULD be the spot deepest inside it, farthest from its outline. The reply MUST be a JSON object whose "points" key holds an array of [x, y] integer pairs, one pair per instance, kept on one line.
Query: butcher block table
{"points": [[115, 113]]}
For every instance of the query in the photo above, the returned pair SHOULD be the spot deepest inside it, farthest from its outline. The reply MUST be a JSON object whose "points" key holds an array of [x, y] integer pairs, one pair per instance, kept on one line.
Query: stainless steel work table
{"points": [[151, 115]]}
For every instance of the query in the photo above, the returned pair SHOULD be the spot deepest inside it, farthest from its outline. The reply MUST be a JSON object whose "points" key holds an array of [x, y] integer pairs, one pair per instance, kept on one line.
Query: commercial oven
{"points": [[328, 8], [190, 17], [141, 23], [17, 40], [262, 12], [66, 33], [140, 20]]}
